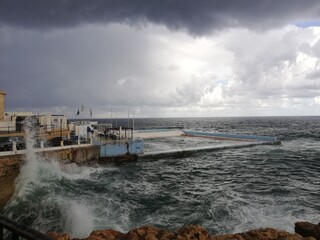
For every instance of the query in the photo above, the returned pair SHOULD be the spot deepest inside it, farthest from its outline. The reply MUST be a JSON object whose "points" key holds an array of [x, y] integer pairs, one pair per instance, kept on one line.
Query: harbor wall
{"points": [[83, 154], [225, 136], [157, 133], [177, 153], [121, 148], [9, 170], [10, 164]]}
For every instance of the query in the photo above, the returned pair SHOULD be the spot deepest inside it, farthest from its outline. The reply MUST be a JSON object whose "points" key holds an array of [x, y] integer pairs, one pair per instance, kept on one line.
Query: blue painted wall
{"points": [[136, 146]]}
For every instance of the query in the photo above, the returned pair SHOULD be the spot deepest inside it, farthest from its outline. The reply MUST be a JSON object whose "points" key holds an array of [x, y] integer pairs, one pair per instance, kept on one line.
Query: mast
{"points": [[111, 117], [132, 120]]}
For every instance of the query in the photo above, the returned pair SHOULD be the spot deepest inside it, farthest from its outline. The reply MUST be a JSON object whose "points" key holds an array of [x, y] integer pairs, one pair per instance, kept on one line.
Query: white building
{"points": [[82, 129], [7, 123]]}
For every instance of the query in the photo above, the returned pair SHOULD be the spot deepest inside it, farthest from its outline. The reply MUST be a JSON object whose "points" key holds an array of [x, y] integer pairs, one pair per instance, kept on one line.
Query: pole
{"points": [[128, 119], [111, 117], [61, 128], [116, 119], [132, 121]]}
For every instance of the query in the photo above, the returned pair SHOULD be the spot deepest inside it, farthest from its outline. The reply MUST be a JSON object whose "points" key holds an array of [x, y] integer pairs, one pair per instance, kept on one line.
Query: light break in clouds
{"points": [[224, 62]]}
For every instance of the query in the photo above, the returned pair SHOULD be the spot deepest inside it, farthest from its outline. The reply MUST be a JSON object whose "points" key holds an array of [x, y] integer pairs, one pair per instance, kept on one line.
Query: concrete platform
{"points": [[188, 150], [157, 133], [185, 142]]}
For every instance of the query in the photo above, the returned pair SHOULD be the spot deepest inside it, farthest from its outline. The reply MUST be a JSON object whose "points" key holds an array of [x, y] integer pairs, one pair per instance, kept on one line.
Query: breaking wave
{"points": [[225, 191]]}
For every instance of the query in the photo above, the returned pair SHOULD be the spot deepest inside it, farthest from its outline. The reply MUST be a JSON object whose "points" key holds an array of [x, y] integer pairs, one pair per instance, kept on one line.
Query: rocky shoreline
{"points": [[303, 231]]}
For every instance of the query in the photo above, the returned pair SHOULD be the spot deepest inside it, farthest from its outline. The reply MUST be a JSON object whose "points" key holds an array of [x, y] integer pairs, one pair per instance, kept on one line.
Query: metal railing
{"points": [[38, 128], [19, 231], [10, 129]]}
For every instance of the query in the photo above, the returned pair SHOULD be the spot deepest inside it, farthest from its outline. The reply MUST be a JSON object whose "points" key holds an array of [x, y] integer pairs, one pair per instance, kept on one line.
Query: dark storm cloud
{"points": [[196, 16]]}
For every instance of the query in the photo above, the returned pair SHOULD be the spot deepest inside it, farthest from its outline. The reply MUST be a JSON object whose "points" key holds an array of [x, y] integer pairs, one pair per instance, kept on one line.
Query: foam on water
{"points": [[28, 173], [225, 191], [45, 200], [39, 193], [79, 219]]}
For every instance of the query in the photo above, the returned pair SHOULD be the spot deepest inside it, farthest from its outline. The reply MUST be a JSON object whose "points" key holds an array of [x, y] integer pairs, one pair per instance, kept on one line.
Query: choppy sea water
{"points": [[225, 191]]}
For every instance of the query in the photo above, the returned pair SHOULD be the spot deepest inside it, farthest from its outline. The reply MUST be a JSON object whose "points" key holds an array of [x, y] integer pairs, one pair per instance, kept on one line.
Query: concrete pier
{"points": [[188, 151], [157, 133]]}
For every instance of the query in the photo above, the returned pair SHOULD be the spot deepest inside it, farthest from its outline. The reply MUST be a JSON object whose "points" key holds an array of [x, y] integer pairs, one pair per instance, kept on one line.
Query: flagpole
{"points": [[132, 121], [111, 118], [116, 119], [128, 118]]}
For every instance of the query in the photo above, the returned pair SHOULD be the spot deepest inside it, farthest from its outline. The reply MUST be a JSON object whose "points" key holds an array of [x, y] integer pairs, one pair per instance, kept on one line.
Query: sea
{"points": [[225, 191]]}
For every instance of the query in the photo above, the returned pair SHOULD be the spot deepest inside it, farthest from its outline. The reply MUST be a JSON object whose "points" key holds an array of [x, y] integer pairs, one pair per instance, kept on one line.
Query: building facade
{"points": [[2, 104], [7, 123]]}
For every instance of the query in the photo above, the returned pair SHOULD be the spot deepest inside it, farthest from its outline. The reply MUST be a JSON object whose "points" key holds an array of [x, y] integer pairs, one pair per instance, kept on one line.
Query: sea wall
{"points": [[9, 170], [84, 154], [10, 164], [225, 136]]}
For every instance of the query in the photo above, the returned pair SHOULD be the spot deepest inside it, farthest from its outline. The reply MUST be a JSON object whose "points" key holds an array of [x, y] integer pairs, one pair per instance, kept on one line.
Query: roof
{"points": [[2, 92]]}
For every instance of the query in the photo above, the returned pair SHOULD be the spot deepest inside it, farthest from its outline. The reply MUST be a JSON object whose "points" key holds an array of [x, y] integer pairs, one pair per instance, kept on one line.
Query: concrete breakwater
{"points": [[303, 231], [187, 151], [10, 163]]}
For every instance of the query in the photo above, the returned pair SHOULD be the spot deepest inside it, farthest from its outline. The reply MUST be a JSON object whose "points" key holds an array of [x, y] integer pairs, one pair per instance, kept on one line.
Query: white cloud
{"points": [[166, 73]]}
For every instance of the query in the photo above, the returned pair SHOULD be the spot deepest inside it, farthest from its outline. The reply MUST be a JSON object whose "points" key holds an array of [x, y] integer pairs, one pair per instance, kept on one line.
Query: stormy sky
{"points": [[168, 58]]}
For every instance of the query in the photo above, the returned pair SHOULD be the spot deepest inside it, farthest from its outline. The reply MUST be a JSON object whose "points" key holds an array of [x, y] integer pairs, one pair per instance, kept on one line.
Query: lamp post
{"points": [[61, 128]]}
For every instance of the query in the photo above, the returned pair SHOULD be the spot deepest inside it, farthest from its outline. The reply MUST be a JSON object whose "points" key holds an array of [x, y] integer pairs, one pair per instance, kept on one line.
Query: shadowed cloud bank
{"points": [[197, 17]]}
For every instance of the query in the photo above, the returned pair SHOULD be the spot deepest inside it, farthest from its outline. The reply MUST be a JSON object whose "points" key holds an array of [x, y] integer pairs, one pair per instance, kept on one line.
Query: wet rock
{"points": [[307, 229], [167, 235], [108, 234], [193, 233], [57, 236], [196, 233], [260, 234], [150, 236], [143, 233], [228, 237]]}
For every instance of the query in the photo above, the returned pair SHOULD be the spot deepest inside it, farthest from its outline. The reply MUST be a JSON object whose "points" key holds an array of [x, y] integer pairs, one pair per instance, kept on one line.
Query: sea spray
{"points": [[40, 202], [28, 172], [225, 191], [79, 219]]}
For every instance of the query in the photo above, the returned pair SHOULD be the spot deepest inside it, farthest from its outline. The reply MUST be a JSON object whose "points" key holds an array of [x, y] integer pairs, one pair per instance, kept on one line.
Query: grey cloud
{"points": [[314, 75], [96, 66], [173, 67], [54, 70], [195, 16]]}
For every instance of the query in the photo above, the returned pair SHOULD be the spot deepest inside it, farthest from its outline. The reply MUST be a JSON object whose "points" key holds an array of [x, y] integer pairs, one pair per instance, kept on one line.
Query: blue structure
{"points": [[114, 149]]}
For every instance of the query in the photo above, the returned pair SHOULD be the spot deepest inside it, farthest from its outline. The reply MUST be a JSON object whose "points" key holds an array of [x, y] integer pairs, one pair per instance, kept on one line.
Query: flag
{"points": [[78, 112], [90, 112]]}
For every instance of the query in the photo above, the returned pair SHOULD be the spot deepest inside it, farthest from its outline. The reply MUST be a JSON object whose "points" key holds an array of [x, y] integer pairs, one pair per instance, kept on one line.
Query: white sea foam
{"points": [[28, 172], [79, 219], [36, 174], [226, 191], [262, 216]]}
